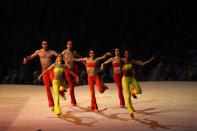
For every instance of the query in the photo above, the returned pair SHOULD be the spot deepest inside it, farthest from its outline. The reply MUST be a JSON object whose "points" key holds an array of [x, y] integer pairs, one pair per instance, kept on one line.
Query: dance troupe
{"points": [[64, 70]]}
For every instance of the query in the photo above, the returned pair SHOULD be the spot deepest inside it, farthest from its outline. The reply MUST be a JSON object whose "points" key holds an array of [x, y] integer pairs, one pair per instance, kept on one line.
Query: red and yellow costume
{"points": [[129, 80]]}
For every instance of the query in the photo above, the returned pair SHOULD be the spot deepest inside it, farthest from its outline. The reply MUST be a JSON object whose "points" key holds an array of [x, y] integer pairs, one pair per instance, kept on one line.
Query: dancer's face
{"points": [[117, 52], [69, 45], [44, 45], [60, 58], [91, 53], [126, 54]]}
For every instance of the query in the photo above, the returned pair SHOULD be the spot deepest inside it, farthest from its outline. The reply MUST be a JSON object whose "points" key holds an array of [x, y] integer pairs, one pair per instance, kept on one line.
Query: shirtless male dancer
{"points": [[68, 54], [45, 56]]}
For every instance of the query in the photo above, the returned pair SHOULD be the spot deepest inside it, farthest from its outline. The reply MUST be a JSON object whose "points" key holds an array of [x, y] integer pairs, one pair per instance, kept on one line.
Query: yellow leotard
{"points": [[58, 70], [58, 79], [128, 66], [127, 80]]}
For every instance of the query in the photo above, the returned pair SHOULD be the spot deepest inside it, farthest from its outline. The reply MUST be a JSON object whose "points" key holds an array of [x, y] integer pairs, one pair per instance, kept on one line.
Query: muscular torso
{"points": [[45, 58]]}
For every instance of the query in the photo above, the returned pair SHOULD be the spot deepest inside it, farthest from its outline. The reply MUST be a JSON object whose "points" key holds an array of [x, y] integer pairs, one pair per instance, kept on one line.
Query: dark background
{"points": [[165, 28]]}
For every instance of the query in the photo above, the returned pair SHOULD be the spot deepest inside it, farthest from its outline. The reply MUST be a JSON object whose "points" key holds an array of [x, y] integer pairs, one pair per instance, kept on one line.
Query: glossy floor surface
{"points": [[170, 106]]}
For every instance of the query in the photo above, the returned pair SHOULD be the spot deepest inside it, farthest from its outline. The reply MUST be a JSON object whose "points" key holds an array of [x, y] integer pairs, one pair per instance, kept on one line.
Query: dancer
{"points": [[93, 77], [117, 64], [45, 56], [58, 68], [68, 54], [128, 78]]}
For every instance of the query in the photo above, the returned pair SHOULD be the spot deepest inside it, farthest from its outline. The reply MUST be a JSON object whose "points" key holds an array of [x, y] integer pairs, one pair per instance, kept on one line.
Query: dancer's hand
{"points": [[25, 61], [102, 67], [152, 58], [76, 79], [39, 77], [75, 76]]}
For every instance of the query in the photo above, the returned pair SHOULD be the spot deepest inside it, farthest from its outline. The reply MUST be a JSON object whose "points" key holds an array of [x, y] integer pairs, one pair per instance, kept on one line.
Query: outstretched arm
{"points": [[79, 59], [106, 62], [105, 55], [54, 53], [28, 58], [141, 63], [50, 67], [79, 56]]}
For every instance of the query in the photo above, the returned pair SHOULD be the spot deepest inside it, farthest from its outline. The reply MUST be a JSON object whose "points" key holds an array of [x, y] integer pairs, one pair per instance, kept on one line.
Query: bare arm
{"points": [[28, 58], [75, 76], [63, 52], [141, 63], [79, 59], [79, 56], [106, 62], [54, 53], [103, 56], [50, 67]]}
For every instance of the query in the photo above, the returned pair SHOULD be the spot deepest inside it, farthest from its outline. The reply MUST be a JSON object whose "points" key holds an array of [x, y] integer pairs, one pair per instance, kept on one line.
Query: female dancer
{"points": [[58, 68], [117, 64], [128, 78], [93, 77]]}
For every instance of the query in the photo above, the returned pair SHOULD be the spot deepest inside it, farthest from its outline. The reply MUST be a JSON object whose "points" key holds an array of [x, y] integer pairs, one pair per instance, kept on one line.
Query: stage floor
{"points": [[166, 105]]}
